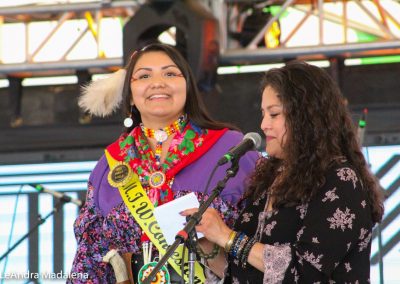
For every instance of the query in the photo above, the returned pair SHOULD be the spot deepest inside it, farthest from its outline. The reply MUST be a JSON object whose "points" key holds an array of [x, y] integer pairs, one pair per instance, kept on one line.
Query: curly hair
{"points": [[319, 131]]}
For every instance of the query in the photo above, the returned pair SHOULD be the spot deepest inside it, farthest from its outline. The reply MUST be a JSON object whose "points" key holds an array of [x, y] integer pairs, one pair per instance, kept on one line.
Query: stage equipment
{"points": [[196, 35], [251, 20], [15, 94]]}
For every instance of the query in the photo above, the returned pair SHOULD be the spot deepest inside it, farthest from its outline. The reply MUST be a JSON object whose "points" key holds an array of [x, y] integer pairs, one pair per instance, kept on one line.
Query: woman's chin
{"points": [[157, 114]]}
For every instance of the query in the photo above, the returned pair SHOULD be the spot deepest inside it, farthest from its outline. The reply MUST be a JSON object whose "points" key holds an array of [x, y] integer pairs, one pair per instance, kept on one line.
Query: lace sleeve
{"points": [[276, 261]]}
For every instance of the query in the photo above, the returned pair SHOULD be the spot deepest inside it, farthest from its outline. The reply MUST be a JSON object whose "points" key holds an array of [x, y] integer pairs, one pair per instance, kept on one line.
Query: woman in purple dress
{"points": [[312, 202], [169, 148]]}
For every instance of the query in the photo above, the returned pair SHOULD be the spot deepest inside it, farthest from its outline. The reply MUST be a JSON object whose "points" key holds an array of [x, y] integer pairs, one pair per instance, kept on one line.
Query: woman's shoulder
{"points": [[99, 171], [104, 196], [342, 171], [234, 134], [231, 138], [342, 179]]}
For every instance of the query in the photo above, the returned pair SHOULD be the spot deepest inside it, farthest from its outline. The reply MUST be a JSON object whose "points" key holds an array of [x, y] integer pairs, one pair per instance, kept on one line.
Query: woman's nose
{"points": [[265, 123], [157, 82], [158, 85]]}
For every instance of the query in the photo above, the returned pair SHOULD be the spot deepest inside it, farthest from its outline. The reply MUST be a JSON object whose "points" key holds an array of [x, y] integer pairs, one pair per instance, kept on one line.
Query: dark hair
{"points": [[194, 106], [319, 131]]}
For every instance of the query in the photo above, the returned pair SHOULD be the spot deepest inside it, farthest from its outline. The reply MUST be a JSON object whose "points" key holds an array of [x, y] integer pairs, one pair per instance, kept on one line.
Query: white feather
{"points": [[103, 96]]}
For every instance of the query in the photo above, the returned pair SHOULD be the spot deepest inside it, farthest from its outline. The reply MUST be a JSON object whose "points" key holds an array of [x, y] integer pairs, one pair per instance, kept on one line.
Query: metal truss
{"points": [[385, 30], [91, 12]]}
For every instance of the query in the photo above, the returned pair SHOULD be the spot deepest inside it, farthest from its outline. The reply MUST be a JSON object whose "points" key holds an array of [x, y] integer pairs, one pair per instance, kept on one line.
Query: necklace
{"points": [[266, 214], [261, 219], [161, 135]]}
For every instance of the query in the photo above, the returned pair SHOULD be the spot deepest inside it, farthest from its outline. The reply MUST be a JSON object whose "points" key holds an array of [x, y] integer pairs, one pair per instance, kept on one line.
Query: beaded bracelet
{"points": [[246, 251], [229, 243], [210, 255], [236, 244], [241, 246], [232, 247]]}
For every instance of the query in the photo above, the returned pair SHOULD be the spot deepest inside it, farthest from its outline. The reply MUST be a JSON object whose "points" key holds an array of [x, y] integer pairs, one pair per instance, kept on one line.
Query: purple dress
{"points": [[105, 223]]}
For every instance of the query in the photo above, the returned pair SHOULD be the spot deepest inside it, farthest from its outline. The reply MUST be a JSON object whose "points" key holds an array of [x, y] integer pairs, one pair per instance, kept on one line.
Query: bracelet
{"points": [[229, 243], [246, 251], [210, 255], [241, 246], [236, 244]]}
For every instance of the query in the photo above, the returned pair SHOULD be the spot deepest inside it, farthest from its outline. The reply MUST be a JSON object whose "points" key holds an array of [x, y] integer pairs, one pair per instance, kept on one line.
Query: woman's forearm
{"points": [[256, 258], [218, 263]]}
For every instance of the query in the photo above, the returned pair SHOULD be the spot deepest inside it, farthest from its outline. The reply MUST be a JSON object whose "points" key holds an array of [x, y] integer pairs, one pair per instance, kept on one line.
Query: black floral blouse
{"points": [[327, 240]]}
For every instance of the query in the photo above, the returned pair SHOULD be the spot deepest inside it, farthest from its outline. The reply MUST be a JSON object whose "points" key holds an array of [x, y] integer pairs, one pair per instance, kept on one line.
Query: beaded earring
{"points": [[128, 122]]}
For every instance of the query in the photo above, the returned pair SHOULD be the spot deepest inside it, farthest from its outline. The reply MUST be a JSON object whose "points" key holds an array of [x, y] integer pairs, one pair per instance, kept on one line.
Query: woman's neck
{"points": [[158, 123]]}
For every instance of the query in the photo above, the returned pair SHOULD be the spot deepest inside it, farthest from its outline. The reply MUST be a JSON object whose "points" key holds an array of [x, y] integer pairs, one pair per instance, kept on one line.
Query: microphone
{"points": [[57, 194], [251, 140], [362, 123]]}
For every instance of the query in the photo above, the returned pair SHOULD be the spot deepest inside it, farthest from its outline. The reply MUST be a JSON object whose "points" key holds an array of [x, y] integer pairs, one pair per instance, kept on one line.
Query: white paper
{"points": [[169, 219]]}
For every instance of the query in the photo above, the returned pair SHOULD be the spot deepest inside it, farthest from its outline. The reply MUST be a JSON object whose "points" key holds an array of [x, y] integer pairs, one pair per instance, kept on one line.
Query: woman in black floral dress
{"points": [[312, 203]]}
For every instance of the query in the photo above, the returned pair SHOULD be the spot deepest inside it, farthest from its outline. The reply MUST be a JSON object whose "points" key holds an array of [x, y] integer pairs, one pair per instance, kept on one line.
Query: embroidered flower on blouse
{"points": [[330, 195], [300, 232], [364, 239], [363, 204], [347, 266], [312, 259], [315, 240], [342, 219], [347, 174], [303, 210], [363, 233], [261, 197], [296, 275], [246, 217], [269, 228]]}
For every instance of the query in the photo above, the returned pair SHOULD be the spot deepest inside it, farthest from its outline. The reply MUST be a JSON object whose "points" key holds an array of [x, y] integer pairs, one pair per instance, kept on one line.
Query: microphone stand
{"points": [[39, 222], [189, 228], [191, 244]]}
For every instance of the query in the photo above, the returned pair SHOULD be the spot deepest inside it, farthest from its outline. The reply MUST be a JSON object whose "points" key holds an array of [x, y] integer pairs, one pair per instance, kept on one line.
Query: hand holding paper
{"points": [[169, 219]]}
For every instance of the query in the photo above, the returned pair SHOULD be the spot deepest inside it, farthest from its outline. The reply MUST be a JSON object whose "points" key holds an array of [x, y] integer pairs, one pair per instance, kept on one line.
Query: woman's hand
{"points": [[211, 225], [215, 230]]}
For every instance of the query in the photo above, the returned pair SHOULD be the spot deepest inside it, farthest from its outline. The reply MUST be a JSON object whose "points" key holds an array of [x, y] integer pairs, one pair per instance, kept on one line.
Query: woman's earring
{"points": [[128, 122]]}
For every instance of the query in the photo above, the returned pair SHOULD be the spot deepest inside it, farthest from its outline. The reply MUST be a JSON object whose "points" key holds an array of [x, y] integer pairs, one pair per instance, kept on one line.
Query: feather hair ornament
{"points": [[103, 96]]}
